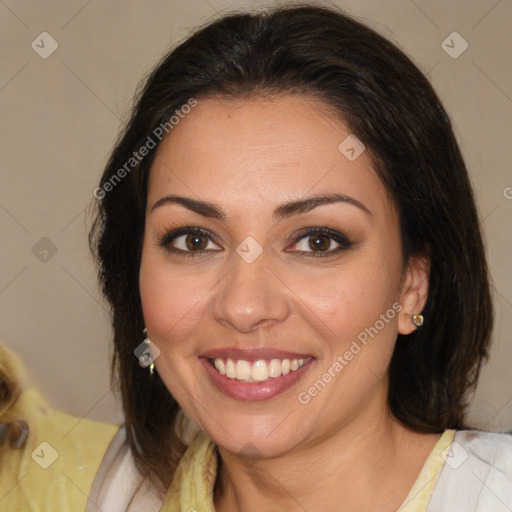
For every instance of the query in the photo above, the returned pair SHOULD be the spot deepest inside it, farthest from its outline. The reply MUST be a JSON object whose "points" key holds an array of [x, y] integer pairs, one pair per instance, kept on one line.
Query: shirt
{"points": [[467, 471]]}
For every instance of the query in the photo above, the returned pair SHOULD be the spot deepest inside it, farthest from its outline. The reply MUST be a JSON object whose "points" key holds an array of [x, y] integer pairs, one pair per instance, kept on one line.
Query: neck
{"points": [[366, 465]]}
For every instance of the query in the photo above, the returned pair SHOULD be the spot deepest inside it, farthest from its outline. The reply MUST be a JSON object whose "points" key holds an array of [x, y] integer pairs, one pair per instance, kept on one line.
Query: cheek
{"points": [[346, 309], [349, 299], [167, 299]]}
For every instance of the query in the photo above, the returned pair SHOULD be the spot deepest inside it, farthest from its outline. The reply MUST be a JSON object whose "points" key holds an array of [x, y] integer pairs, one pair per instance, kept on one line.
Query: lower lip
{"points": [[253, 391]]}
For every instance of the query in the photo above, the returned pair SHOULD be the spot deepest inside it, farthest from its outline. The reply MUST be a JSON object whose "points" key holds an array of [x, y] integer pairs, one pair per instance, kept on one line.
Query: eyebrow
{"points": [[288, 209]]}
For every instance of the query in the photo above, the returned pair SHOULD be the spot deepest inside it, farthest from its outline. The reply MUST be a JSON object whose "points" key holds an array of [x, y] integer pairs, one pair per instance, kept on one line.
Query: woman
{"points": [[300, 294]]}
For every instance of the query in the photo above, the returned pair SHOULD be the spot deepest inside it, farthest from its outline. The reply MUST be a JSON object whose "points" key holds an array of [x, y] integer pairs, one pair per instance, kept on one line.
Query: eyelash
{"points": [[338, 237]]}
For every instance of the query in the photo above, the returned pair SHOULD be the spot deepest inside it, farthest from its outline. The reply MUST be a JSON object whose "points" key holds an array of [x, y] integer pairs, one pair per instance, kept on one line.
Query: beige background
{"points": [[60, 117]]}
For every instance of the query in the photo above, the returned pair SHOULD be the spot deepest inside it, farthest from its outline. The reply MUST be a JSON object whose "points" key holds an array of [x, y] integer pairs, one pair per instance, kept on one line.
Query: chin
{"points": [[254, 436]]}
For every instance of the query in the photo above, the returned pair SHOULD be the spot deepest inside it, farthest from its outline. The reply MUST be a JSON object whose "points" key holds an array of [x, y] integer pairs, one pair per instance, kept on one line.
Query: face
{"points": [[297, 302]]}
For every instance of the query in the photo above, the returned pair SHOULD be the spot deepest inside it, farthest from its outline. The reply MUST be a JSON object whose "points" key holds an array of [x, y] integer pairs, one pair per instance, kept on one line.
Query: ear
{"points": [[414, 292]]}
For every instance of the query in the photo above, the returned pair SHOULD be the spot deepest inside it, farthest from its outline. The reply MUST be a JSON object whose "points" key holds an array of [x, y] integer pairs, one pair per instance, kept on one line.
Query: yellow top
{"points": [[48, 459], [193, 483]]}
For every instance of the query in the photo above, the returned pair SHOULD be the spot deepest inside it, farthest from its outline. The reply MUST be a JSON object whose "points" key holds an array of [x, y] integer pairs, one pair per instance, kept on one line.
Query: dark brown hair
{"points": [[390, 106]]}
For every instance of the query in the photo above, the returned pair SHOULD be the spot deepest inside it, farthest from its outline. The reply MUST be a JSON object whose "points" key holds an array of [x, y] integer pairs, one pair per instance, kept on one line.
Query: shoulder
{"points": [[47, 458], [490, 448], [477, 474]]}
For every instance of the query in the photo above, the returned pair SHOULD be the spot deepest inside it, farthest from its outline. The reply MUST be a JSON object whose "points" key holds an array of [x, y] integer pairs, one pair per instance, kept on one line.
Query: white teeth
{"points": [[243, 370], [257, 371], [230, 369], [274, 368], [219, 364]]}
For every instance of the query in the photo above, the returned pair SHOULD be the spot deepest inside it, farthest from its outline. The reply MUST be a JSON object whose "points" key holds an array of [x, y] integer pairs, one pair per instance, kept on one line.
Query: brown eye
{"points": [[189, 241], [196, 241], [319, 242]]}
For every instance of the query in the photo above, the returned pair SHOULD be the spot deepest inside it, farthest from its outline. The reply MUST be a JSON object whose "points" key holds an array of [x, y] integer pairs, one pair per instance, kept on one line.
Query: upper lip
{"points": [[252, 354]]}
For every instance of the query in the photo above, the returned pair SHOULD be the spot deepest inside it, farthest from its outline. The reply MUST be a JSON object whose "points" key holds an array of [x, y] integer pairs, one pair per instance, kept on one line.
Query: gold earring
{"points": [[417, 320], [148, 355]]}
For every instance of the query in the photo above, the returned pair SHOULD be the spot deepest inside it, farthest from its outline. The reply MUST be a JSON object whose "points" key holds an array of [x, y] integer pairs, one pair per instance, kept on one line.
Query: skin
{"points": [[342, 451]]}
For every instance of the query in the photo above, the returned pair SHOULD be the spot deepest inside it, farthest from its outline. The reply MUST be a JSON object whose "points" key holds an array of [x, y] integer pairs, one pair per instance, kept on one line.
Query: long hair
{"points": [[391, 107]]}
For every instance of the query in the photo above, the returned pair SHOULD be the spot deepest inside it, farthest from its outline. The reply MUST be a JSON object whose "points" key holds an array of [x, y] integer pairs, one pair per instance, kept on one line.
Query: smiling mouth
{"points": [[256, 371]]}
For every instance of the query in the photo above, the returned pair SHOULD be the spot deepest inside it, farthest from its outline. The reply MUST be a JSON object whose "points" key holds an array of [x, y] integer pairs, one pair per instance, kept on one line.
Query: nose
{"points": [[251, 295]]}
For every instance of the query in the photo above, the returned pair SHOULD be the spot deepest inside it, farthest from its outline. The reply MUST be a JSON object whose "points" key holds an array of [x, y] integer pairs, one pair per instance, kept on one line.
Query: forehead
{"points": [[262, 151]]}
